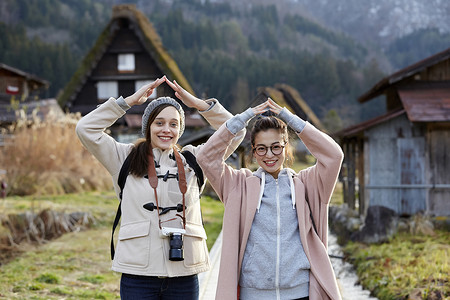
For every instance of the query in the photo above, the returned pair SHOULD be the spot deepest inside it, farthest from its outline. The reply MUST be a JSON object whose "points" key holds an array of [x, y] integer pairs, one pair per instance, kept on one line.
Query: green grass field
{"points": [[76, 265], [408, 267]]}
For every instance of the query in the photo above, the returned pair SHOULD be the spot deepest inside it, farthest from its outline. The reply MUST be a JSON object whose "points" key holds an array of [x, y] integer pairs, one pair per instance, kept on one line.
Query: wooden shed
{"points": [[401, 160], [19, 84], [127, 54], [19, 90]]}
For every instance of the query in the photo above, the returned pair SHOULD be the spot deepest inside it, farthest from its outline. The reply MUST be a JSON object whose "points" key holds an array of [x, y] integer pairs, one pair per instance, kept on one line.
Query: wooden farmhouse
{"points": [[127, 54], [19, 97], [401, 160], [19, 84]]}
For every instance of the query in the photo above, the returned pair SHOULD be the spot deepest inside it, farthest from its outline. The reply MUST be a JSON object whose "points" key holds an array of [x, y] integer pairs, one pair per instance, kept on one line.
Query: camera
{"points": [[175, 241]]}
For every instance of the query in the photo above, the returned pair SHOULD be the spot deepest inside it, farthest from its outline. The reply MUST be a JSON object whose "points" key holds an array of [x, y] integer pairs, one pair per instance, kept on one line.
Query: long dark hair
{"points": [[271, 122], [139, 153]]}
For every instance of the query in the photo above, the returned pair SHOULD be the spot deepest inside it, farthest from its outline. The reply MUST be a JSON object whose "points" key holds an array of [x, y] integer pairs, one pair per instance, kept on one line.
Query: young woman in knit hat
{"points": [[276, 220], [161, 242]]}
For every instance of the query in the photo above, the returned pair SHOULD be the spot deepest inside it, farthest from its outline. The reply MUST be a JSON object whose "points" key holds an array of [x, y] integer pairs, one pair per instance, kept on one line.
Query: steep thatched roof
{"points": [[149, 38], [289, 97]]}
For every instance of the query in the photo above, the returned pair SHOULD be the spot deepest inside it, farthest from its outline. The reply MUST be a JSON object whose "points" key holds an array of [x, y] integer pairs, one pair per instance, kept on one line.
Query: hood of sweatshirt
{"points": [[266, 177]]}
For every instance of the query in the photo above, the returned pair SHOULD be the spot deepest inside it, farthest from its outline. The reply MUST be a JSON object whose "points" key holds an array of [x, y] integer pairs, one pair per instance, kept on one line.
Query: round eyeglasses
{"points": [[261, 150]]}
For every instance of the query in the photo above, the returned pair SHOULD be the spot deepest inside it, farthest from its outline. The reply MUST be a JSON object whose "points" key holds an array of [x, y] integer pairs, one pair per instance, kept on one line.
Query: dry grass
{"points": [[46, 158]]}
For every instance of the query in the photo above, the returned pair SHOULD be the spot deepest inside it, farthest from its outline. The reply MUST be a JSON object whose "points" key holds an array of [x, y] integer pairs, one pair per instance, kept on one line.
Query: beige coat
{"points": [[239, 191], [140, 250]]}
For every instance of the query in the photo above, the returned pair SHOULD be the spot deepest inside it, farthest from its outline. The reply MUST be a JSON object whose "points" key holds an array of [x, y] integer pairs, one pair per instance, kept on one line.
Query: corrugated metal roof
{"points": [[427, 102], [361, 127], [422, 102], [409, 71]]}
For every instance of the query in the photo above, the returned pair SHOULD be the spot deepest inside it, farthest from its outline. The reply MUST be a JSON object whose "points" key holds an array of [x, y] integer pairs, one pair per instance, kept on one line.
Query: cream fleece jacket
{"points": [[140, 249]]}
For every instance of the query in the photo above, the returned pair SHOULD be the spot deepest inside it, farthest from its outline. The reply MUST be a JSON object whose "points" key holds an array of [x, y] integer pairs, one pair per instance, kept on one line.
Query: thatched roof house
{"points": [[127, 54], [287, 96]]}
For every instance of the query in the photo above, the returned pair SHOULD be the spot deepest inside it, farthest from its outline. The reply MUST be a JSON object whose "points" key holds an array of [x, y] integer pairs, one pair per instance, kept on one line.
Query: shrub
{"points": [[410, 266], [48, 278], [46, 157], [94, 279]]}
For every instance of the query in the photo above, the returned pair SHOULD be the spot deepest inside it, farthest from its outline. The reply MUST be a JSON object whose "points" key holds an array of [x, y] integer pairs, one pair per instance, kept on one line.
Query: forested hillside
{"points": [[48, 38], [225, 51]]}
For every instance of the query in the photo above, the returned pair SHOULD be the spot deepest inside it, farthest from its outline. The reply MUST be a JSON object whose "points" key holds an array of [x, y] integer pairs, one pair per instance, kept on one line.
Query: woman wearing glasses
{"points": [[276, 220]]}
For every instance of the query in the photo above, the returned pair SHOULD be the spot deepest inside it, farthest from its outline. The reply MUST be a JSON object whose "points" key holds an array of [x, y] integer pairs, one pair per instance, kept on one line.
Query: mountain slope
{"points": [[381, 21], [226, 49]]}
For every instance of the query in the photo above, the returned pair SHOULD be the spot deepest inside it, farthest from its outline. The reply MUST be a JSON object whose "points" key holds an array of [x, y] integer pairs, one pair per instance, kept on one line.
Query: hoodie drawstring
{"points": [[291, 183], [263, 183], [261, 190]]}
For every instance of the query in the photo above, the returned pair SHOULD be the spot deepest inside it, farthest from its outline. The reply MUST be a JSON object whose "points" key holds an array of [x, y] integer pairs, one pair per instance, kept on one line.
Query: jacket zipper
{"points": [[277, 270]]}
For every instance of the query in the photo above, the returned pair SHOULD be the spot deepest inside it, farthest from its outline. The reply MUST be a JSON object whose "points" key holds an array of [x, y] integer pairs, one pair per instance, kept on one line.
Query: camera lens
{"points": [[176, 247]]}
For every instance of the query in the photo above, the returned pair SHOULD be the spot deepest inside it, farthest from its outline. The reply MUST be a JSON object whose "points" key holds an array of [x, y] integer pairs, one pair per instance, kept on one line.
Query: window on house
{"points": [[139, 83], [125, 63], [106, 89]]}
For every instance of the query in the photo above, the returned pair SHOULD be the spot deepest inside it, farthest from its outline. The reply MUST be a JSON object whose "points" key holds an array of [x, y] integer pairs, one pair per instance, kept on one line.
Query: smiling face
{"points": [[165, 129], [271, 139]]}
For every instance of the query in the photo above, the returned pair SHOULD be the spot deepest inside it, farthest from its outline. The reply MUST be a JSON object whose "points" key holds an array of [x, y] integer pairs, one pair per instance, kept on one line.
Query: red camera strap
{"points": [[153, 180]]}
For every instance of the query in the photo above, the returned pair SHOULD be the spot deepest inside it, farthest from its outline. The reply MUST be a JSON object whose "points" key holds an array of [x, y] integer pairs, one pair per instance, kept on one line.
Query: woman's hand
{"points": [[141, 95], [268, 105], [188, 99], [263, 107], [273, 106]]}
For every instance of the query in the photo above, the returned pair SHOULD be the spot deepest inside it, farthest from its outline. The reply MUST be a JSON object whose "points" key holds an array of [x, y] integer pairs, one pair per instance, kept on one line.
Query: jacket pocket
{"points": [[258, 266], [133, 247], [195, 249]]}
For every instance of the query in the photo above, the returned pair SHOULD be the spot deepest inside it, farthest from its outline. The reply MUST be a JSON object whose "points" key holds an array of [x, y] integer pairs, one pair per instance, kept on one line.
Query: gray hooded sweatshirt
{"points": [[275, 265]]}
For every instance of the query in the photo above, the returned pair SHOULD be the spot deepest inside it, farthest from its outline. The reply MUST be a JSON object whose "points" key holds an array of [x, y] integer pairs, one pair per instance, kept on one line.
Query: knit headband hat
{"points": [[157, 102]]}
